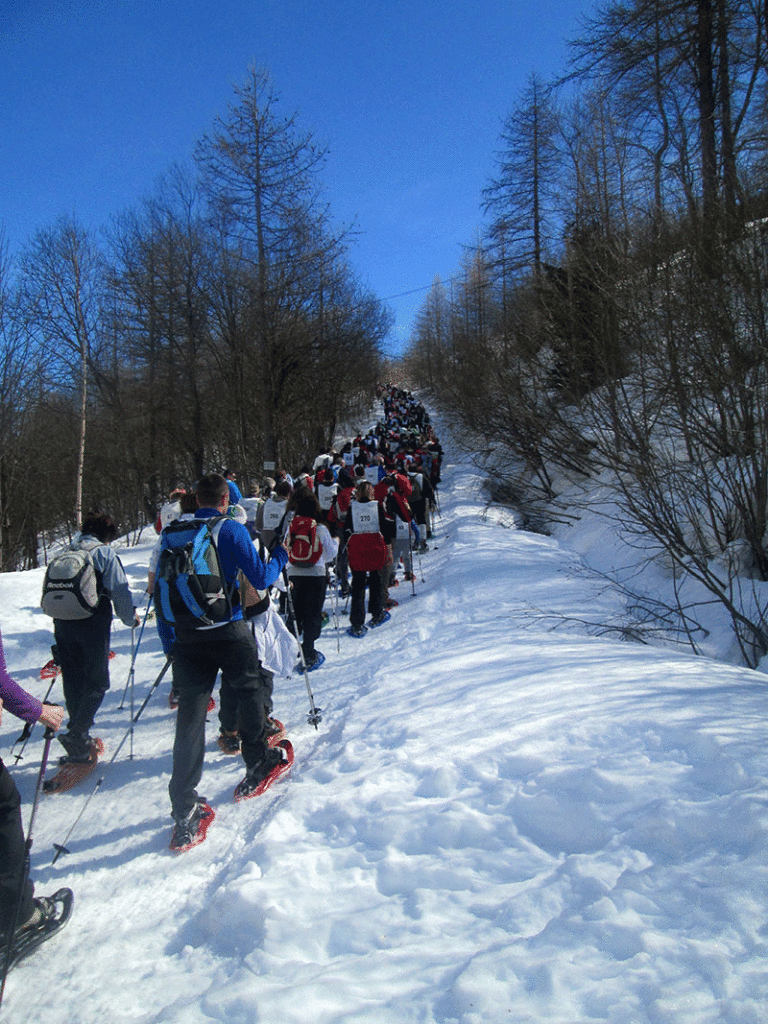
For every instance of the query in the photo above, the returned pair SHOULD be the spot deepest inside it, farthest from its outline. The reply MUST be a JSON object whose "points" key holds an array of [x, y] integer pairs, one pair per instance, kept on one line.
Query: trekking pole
{"points": [[61, 847], [314, 717], [133, 678], [336, 614], [335, 607], [26, 732], [25, 871], [342, 550], [410, 552], [134, 652]]}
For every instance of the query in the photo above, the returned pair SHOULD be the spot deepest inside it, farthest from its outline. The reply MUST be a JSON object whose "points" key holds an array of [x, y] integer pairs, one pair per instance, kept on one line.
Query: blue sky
{"points": [[99, 97]]}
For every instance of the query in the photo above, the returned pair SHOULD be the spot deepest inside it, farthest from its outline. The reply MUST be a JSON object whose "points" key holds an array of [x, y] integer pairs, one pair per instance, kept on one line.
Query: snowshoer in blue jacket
{"points": [[200, 652]]}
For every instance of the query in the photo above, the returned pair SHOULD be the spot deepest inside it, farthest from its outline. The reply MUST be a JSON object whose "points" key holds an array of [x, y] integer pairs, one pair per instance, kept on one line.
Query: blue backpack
{"points": [[190, 589]]}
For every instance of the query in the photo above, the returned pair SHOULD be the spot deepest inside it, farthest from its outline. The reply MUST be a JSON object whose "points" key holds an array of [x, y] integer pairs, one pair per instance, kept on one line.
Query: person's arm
{"points": [[115, 584], [259, 574], [154, 558], [22, 704], [330, 543]]}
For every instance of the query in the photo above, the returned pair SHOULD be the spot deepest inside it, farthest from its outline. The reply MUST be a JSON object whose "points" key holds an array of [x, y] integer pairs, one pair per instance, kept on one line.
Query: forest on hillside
{"points": [[611, 325], [218, 324]]}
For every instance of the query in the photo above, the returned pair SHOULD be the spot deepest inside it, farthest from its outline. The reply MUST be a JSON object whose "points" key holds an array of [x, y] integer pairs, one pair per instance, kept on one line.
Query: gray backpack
{"points": [[71, 588]]}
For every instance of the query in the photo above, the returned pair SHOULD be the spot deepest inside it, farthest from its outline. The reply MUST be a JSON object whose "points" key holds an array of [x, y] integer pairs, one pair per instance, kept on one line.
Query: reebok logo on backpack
{"points": [[304, 545], [71, 589], [190, 589]]}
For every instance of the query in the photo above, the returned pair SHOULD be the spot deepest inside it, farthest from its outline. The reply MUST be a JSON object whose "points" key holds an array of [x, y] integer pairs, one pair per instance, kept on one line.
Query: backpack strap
{"points": [[232, 590], [90, 547]]}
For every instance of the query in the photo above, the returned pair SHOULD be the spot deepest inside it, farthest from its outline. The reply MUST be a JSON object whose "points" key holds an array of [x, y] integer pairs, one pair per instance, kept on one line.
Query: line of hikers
{"points": [[350, 520]]}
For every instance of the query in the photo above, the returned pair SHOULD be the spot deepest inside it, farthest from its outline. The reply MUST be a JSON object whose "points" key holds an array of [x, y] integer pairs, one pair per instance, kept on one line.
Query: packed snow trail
{"points": [[496, 821]]}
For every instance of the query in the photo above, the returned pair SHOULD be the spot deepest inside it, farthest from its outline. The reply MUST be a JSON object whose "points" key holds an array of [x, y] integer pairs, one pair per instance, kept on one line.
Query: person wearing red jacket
{"points": [[368, 556]]}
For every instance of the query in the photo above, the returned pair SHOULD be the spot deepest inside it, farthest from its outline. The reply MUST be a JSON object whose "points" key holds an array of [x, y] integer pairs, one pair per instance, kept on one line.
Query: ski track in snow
{"points": [[495, 821]]}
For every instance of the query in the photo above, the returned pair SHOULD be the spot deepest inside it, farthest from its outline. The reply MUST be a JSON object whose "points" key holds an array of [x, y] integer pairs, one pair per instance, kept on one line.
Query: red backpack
{"points": [[304, 546]]}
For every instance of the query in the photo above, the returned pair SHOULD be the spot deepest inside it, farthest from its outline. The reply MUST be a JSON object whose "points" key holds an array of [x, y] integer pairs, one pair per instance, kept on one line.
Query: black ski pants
{"points": [[197, 660], [361, 580], [83, 651], [12, 855], [308, 596], [229, 698]]}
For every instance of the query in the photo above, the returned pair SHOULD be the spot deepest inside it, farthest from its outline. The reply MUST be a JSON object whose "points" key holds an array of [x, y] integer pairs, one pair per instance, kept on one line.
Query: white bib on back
{"points": [[365, 516]]}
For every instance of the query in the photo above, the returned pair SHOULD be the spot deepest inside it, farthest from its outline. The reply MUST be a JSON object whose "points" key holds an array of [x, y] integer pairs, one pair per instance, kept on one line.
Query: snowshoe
{"points": [[358, 633], [73, 771], [49, 670], [380, 619], [52, 668], [192, 831], [275, 732], [50, 915], [173, 702], [266, 774], [391, 603], [326, 618]]}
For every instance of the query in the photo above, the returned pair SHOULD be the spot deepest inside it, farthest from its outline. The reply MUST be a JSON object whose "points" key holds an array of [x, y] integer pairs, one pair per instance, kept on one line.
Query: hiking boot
{"points": [[190, 831], [259, 778], [315, 660], [80, 749], [229, 742], [275, 731], [357, 631], [380, 619], [43, 910], [274, 727]]}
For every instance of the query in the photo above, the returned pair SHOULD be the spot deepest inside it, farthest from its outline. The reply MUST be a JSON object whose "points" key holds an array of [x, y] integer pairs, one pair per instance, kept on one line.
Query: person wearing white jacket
{"points": [[309, 582]]}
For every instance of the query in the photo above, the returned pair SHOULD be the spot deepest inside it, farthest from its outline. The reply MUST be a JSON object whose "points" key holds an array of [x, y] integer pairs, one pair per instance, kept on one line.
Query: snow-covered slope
{"points": [[496, 821]]}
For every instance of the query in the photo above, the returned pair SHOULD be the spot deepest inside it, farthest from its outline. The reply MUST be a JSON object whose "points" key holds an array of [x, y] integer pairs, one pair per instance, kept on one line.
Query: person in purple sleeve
{"points": [[12, 846]]}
